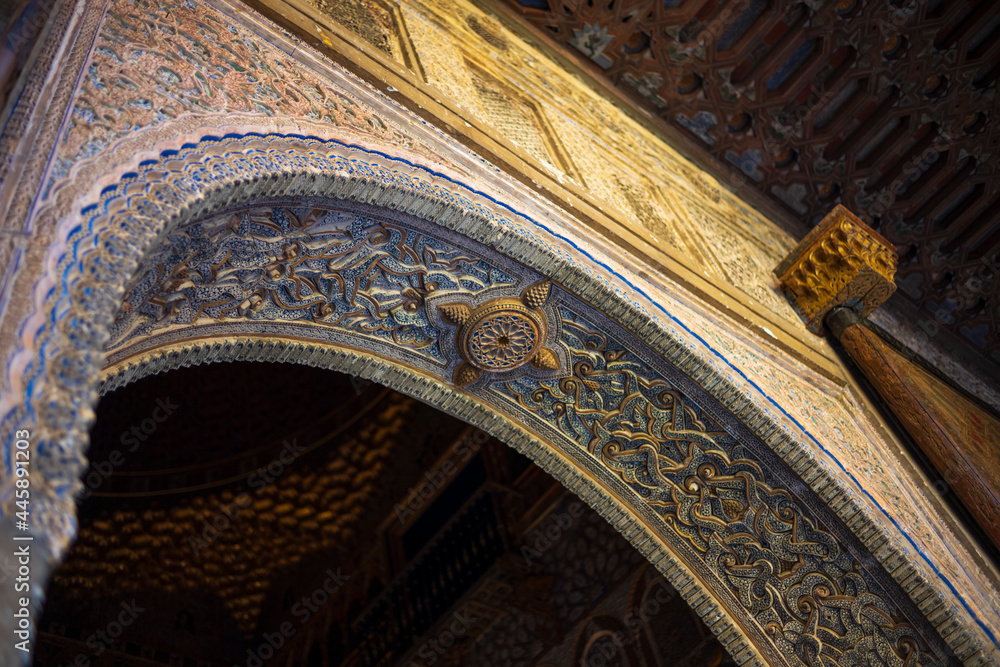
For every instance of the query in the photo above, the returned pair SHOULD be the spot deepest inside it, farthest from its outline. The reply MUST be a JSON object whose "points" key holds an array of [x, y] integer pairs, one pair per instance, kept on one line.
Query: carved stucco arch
{"points": [[105, 236]]}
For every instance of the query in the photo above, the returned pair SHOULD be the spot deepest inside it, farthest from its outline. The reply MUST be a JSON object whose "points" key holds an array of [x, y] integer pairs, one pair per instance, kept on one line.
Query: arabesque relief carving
{"points": [[168, 129], [157, 61], [380, 277], [570, 129], [180, 61], [723, 506], [371, 20], [304, 265]]}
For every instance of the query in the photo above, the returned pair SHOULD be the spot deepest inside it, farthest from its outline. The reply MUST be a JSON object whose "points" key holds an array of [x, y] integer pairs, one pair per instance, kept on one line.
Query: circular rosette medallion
{"points": [[501, 335], [503, 339]]}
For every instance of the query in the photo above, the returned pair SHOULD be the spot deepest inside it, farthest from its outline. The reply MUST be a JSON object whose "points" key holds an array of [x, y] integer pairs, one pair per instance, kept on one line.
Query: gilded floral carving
{"points": [[501, 335], [841, 262], [309, 265]]}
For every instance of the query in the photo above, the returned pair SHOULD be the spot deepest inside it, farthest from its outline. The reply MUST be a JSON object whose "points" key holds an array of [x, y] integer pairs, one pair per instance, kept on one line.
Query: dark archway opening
{"points": [[256, 514]]}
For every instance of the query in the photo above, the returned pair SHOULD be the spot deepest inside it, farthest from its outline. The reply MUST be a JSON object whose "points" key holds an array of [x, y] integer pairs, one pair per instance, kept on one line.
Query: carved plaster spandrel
{"points": [[374, 21], [572, 128], [155, 61]]}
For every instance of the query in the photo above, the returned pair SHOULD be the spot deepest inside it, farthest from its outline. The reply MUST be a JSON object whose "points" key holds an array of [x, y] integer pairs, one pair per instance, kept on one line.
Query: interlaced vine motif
{"points": [[316, 266], [783, 566]]}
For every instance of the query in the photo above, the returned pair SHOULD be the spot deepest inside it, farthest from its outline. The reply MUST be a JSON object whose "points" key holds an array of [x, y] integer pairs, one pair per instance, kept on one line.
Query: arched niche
{"points": [[215, 250]]}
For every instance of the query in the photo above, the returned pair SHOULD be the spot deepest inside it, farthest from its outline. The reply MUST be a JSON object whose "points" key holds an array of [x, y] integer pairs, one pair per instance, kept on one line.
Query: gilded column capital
{"points": [[841, 262]]}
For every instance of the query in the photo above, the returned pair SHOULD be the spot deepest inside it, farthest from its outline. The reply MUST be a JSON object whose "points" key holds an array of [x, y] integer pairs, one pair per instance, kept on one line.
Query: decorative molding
{"points": [[841, 262], [703, 490]]}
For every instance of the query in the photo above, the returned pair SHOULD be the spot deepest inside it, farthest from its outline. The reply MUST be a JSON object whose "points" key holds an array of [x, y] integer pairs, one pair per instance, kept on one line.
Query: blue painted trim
{"points": [[657, 305]]}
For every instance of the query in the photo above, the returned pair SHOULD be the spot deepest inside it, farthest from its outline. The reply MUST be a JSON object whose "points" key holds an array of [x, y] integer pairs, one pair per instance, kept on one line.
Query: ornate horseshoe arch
{"points": [[299, 249]]}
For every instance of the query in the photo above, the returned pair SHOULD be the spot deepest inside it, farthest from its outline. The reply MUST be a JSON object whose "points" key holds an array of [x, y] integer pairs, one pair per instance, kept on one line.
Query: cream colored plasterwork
{"points": [[619, 162], [663, 306]]}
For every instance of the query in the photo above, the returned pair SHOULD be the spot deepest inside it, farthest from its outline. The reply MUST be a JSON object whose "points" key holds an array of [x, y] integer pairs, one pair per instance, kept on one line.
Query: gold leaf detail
{"points": [[545, 360], [733, 509], [536, 295], [466, 374], [455, 313]]}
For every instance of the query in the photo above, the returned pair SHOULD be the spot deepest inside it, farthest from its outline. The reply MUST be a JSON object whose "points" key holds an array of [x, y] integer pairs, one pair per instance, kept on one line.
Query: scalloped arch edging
{"points": [[102, 245]]}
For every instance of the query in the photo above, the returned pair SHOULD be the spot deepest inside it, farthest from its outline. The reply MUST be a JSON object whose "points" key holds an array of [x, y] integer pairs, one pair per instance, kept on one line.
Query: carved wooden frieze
{"points": [[373, 279], [228, 233]]}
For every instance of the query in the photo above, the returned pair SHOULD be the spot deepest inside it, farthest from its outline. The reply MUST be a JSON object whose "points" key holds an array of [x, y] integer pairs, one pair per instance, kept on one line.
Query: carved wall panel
{"points": [[137, 183], [619, 163], [287, 276], [373, 21], [287, 89], [152, 64], [519, 119], [397, 287]]}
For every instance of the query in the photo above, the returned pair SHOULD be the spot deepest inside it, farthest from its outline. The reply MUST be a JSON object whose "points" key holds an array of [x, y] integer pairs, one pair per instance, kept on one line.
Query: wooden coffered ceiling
{"points": [[887, 107]]}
